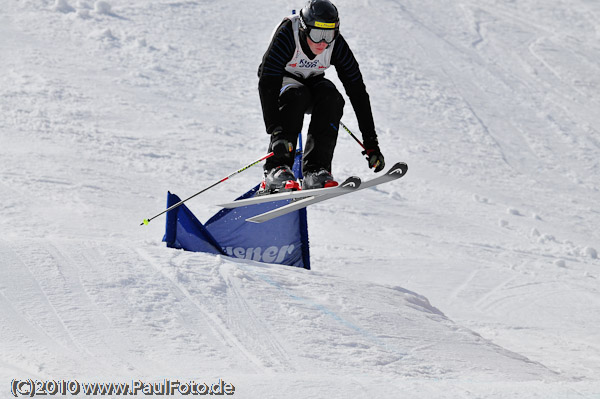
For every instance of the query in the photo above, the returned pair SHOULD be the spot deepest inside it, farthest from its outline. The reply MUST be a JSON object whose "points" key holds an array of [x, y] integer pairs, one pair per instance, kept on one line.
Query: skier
{"points": [[292, 82]]}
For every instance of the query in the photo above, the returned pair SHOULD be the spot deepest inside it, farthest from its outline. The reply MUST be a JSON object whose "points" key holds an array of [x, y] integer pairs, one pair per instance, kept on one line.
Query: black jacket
{"points": [[272, 70]]}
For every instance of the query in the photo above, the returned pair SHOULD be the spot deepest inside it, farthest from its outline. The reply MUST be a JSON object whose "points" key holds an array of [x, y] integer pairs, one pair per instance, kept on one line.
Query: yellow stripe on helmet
{"points": [[326, 25]]}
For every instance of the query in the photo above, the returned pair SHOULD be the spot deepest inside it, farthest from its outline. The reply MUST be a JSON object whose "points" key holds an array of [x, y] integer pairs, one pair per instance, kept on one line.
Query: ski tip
{"points": [[399, 168], [352, 182]]}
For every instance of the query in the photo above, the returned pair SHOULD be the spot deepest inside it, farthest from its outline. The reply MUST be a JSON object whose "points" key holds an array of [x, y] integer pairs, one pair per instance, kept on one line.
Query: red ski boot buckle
{"points": [[292, 185]]}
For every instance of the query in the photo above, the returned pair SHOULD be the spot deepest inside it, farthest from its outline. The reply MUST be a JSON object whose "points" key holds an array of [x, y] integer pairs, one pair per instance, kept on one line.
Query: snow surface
{"points": [[477, 275]]}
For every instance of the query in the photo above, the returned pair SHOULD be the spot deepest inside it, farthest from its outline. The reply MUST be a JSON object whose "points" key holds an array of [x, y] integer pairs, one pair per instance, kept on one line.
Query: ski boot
{"points": [[318, 179], [278, 180]]}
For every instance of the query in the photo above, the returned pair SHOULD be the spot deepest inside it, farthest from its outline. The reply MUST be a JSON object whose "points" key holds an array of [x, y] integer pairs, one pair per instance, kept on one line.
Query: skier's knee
{"points": [[334, 102], [297, 97]]}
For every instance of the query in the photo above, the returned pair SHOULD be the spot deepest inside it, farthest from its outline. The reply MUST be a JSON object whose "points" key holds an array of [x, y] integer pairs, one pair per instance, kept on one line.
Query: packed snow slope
{"points": [[476, 275]]}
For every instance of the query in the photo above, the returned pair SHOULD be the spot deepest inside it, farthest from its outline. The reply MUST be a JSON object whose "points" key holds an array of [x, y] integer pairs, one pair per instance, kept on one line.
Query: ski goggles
{"points": [[317, 35]]}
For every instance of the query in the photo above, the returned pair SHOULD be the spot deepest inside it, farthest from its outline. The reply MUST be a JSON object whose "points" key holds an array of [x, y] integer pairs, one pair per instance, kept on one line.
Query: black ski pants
{"points": [[320, 98]]}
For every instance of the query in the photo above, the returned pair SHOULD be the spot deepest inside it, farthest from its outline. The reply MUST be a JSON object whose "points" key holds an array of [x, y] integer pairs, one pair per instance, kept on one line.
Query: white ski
{"points": [[396, 172], [349, 184]]}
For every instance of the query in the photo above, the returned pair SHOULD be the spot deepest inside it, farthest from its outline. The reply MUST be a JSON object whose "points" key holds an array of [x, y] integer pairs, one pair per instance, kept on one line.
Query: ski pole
{"points": [[353, 136], [146, 221], [365, 152]]}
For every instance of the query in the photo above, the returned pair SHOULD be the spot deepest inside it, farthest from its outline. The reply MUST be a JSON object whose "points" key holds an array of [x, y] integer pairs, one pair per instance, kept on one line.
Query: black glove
{"points": [[374, 158], [279, 145]]}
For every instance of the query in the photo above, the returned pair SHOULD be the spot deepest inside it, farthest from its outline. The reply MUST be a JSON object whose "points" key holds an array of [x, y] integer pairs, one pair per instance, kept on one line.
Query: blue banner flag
{"points": [[283, 240]]}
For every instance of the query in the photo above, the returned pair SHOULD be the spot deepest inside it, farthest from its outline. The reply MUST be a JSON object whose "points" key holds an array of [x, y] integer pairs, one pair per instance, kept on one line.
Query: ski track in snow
{"points": [[476, 275]]}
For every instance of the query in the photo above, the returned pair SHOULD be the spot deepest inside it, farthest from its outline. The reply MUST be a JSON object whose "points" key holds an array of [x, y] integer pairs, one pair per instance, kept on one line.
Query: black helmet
{"points": [[321, 15]]}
